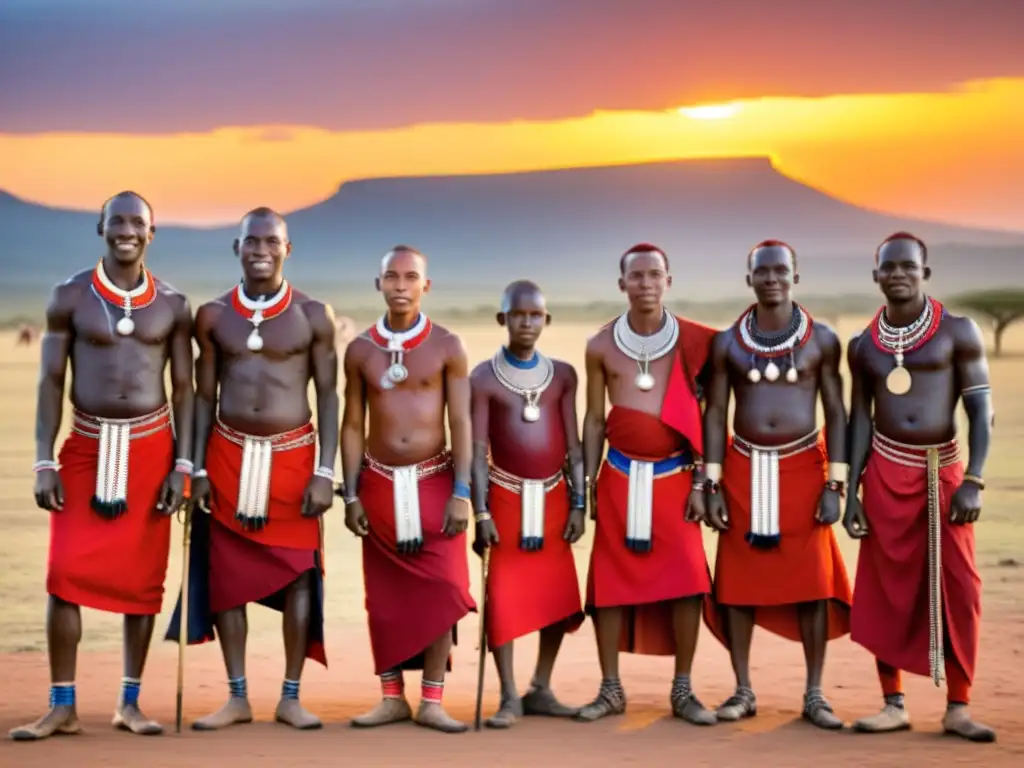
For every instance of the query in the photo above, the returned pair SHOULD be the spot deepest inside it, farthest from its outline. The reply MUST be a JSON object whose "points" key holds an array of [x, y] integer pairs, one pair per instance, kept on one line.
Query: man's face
{"points": [[403, 280], [901, 270], [525, 318], [645, 279], [772, 274], [262, 247], [127, 228]]}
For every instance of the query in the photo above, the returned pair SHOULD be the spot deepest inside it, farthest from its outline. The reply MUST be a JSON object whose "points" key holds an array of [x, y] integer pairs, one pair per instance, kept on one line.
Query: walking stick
{"points": [[183, 618], [485, 567]]}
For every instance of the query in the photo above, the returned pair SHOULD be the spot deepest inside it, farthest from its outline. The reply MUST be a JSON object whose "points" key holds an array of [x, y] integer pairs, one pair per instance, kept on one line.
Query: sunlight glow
{"points": [[711, 111]]}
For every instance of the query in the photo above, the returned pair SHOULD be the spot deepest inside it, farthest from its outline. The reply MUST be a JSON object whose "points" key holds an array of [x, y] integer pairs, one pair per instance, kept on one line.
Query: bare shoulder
{"points": [[826, 337], [357, 349], [720, 342], [853, 346], [966, 332], [597, 344], [177, 300], [482, 374], [449, 342], [565, 371], [319, 314], [64, 296], [209, 311]]}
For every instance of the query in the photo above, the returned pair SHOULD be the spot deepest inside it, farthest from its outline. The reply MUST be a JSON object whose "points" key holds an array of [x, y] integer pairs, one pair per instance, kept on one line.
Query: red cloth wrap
{"points": [[890, 600], [290, 473], [411, 600], [114, 565], [681, 408], [806, 565], [676, 567], [527, 591]]}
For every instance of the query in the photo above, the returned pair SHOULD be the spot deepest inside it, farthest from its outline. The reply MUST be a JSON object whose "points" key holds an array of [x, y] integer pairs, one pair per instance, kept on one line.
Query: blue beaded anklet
{"points": [[237, 688], [130, 691], [62, 695], [290, 689]]}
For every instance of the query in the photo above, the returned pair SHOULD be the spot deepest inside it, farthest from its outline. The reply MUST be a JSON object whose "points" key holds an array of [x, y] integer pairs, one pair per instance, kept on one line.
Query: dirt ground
{"points": [[646, 735]]}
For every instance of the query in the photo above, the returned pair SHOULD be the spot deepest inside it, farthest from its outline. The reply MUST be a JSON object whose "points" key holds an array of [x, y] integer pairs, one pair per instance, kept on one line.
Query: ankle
{"points": [[238, 688], [62, 695], [894, 700], [130, 687], [290, 690], [431, 691], [392, 685]]}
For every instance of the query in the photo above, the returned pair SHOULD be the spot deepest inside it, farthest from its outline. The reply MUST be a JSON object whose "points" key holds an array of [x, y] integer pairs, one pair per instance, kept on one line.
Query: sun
{"points": [[711, 111]]}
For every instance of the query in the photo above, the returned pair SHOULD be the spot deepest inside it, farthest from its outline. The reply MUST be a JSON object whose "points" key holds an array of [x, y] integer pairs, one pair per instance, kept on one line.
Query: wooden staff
{"points": [[183, 618], [485, 567]]}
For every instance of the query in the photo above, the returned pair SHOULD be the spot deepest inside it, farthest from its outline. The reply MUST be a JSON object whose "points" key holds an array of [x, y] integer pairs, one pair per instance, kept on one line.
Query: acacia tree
{"points": [[1002, 307]]}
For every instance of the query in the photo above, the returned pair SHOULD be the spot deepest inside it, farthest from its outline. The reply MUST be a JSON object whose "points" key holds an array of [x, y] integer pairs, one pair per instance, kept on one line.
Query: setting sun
{"points": [[711, 111]]}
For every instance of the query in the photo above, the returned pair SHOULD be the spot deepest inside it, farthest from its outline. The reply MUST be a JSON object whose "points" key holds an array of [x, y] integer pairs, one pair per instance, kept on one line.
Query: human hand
{"points": [[319, 497], [456, 516], [575, 526], [854, 521], [172, 493], [355, 518], [829, 506], [965, 506], [48, 490]]}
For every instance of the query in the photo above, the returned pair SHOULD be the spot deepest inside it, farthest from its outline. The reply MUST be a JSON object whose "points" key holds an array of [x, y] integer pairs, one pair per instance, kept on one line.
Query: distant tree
{"points": [[1002, 308]]}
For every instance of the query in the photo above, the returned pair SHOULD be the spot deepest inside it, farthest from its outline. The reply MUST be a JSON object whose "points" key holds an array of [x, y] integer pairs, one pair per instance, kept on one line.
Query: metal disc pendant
{"points": [[386, 383], [645, 382], [899, 381], [398, 373], [771, 372], [531, 412], [255, 341], [125, 326]]}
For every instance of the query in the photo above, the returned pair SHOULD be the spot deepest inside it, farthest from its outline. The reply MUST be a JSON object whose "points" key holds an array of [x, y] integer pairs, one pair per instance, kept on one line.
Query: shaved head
{"points": [[641, 249], [906, 237], [268, 214], [515, 292], [125, 195], [774, 244], [399, 250]]}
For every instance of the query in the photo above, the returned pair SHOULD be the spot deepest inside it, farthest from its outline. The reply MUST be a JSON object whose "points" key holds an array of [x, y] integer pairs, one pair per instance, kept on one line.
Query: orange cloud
{"points": [[956, 156]]}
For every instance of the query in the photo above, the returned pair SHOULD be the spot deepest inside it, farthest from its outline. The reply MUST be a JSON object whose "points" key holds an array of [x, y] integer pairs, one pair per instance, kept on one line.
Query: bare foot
{"points": [[235, 712], [388, 711], [432, 715], [291, 712], [542, 701], [611, 700], [889, 720], [58, 721], [507, 715], [742, 704], [130, 718], [958, 722]]}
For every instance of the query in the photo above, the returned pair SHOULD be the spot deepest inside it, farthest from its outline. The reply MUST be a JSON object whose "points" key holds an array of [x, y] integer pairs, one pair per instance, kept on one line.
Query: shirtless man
{"points": [[405, 493], [260, 344], [778, 563], [917, 605], [121, 472], [648, 571], [524, 430]]}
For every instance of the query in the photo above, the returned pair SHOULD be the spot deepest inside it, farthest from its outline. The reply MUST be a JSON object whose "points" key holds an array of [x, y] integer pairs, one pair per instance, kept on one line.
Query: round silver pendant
{"points": [[771, 372], [255, 341], [386, 383], [531, 412], [645, 382], [125, 326], [397, 373]]}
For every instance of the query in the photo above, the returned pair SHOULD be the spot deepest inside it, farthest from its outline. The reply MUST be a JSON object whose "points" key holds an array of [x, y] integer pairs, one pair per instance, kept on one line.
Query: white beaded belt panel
{"points": [[532, 494], [405, 489]]}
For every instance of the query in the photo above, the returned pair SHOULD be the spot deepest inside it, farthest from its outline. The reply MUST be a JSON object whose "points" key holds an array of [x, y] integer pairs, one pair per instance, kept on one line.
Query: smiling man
{"points": [[260, 344], [917, 604], [525, 433], [124, 467]]}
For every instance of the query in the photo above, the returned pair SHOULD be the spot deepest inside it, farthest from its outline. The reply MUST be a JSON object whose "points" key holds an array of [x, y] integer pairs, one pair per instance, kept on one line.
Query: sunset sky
{"points": [[209, 107]]}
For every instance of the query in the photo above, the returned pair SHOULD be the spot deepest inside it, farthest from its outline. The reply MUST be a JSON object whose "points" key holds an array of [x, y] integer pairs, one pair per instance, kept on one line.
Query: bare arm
{"points": [[55, 352], [460, 422], [975, 391], [594, 420], [858, 438], [323, 357], [572, 437], [832, 396], [207, 374], [182, 369], [481, 414], [353, 422], [716, 411]]}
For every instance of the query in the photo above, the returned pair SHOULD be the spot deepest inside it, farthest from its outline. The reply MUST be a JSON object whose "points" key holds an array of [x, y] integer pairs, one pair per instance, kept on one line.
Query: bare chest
{"points": [[774, 371], [95, 322], [935, 355], [281, 337], [421, 370]]}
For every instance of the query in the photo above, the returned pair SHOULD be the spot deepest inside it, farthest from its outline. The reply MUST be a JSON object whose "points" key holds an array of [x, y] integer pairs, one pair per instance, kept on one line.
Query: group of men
{"points": [[236, 438]]}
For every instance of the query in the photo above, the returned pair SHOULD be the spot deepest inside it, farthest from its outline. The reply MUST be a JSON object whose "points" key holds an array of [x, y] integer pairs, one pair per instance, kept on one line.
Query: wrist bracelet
{"points": [[976, 479], [199, 473], [836, 486], [46, 465], [460, 490], [482, 517], [711, 486], [350, 500], [325, 472], [184, 467]]}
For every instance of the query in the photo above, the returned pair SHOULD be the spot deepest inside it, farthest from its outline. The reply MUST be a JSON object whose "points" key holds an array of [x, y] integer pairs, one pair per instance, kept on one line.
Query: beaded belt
{"points": [[532, 495], [406, 495], [640, 501]]}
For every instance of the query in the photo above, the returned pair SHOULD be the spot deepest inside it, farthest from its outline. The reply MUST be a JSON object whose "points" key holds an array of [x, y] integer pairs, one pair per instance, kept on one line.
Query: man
{"points": [[778, 563], [648, 571], [405, 493], [260, 344], [917, 604], [524, 430], [124, 468]]}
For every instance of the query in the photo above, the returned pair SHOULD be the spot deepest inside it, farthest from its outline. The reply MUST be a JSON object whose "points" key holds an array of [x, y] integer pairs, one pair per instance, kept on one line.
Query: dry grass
{"points": [[23, 547]]}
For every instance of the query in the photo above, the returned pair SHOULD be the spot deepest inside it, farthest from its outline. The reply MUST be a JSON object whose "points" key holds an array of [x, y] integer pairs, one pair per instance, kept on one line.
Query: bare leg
{"points": [[297, 611], [541, 700], [232, 628], [431, 713], [686, 618], [138, 632], [742, 703], [63, 634], [511, 706], [611, 698], [814, 633]]}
